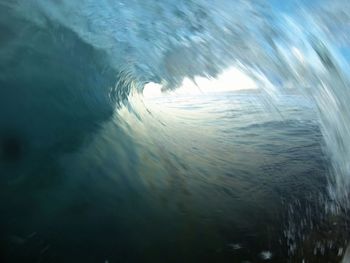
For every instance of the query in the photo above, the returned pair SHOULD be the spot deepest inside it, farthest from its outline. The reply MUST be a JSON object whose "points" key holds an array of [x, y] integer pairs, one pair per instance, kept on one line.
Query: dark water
{"points": [[173, 179]]}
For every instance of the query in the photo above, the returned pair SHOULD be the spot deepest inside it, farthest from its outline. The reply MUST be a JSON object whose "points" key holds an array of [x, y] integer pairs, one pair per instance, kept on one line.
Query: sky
{"points": [[229, 80]]}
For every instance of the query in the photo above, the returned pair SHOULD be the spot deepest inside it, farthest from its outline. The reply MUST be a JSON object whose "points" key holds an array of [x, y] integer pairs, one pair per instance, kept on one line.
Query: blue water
{"points": [[190, 182], [93, 171]]}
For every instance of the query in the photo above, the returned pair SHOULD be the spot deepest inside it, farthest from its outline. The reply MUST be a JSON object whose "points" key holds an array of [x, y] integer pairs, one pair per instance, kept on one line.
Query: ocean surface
{"points": [[237, 183]]}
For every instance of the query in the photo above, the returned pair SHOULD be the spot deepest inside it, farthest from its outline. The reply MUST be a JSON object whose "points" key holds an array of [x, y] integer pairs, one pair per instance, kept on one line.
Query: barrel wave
{"points": [[91, 170]]}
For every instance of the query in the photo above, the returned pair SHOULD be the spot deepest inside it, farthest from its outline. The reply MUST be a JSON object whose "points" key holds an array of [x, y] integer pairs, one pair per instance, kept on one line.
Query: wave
{"points": [[67, 66], [90, 54]]}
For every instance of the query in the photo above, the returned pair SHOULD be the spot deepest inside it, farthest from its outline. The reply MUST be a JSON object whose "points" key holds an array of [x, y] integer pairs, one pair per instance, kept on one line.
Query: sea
{"points": [[253, 169]]}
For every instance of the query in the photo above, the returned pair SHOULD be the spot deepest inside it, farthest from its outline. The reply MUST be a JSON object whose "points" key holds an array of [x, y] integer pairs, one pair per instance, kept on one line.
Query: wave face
{"points": [[68, 68], [166, 41]]}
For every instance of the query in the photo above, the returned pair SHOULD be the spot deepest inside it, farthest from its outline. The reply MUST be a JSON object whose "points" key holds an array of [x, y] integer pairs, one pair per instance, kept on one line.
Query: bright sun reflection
{"points": [[230, 80]]}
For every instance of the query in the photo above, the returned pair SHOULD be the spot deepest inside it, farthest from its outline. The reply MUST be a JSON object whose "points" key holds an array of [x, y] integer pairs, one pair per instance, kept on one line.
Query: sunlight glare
{"points": [[231, 79]]}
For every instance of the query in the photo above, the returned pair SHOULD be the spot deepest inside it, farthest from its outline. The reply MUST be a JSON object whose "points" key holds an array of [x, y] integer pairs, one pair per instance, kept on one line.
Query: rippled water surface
{"points": [[200, 183]]}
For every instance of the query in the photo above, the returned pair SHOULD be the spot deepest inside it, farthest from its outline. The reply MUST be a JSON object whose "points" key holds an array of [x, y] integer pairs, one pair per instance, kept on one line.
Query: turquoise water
{"points": [[217, 185], [93, 171]]}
